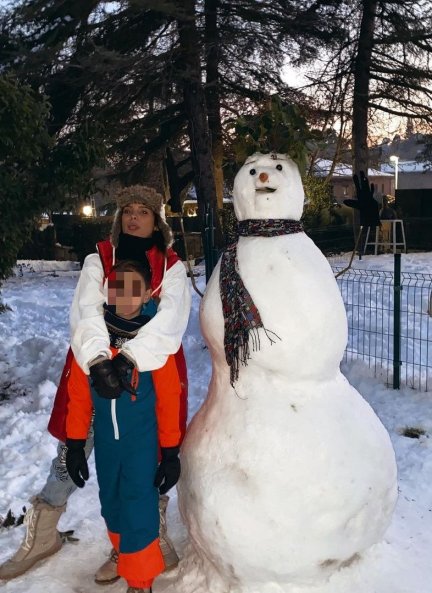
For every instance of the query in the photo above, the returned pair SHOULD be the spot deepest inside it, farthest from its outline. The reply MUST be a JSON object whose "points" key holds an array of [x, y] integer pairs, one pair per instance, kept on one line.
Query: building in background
{"points": [[411, 174], [342, 180]]}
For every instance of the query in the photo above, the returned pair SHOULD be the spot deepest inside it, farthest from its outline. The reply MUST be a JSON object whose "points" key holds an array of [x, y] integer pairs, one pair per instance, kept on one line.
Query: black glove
{"points": [[105, 379], [365, 202], [76, 462], [168, 472], [122, 366]]}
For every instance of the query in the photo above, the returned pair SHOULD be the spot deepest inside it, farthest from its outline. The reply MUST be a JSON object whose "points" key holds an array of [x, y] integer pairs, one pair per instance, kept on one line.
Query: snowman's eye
{"points": [[279, 167], [252, 171]]}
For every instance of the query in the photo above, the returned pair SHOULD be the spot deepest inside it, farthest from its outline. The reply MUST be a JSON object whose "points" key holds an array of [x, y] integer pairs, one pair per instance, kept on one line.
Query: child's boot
{"points": [[41, 539], [107, 573], [167, 548]]}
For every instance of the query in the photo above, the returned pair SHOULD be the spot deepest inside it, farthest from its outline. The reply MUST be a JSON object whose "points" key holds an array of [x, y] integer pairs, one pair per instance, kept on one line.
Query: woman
{"points": [[139, 231]]}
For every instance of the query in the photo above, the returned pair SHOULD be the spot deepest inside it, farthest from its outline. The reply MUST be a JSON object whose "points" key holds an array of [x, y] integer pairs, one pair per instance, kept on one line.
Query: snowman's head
{"points": [[268, 186]]}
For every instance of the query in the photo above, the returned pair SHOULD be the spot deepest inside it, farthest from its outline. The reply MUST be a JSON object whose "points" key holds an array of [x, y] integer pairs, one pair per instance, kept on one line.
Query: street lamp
{"points": [[395, 160]]}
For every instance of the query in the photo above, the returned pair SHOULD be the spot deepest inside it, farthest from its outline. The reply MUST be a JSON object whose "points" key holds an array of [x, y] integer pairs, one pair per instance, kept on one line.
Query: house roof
{"points": [[406, 167], [322, 168]]}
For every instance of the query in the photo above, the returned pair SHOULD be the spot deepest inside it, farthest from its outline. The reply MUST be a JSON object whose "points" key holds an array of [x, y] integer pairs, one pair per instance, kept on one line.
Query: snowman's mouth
{"points": [[265, 190]]}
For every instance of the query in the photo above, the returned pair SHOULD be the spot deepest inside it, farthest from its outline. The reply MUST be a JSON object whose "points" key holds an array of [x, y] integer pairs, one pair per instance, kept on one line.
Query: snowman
{"points": [[287, 473]]}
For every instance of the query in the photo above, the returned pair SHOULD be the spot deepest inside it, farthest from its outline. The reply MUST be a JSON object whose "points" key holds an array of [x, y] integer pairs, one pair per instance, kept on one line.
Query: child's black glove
{"points": [[365, 202], [76, 462], [105, 379], [122, 365], [168, 472]]}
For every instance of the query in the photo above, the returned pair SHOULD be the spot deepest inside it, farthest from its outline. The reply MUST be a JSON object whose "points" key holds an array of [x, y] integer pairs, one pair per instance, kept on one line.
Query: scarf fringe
{"points": [[242, 350], [241, 317]]}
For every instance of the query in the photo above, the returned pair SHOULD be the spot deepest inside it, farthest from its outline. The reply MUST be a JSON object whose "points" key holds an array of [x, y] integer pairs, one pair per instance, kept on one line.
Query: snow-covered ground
{"points": [[34, 340]]}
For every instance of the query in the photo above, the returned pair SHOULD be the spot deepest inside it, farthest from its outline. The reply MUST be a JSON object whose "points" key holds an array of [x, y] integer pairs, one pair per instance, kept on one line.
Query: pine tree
{"points": [[124, 71], [23, 141]]}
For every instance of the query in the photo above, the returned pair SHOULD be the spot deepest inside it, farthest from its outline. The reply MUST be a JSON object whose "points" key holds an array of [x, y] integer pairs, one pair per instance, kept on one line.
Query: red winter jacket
{"points": [[57, 422]]}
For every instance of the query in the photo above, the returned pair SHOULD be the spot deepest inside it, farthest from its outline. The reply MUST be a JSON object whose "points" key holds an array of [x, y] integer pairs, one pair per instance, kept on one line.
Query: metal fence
{"points": [[390, 323]]}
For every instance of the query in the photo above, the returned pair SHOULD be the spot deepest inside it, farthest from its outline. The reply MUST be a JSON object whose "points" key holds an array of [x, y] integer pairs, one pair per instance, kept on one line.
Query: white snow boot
{"points": [[167, 547], [41, 539]]}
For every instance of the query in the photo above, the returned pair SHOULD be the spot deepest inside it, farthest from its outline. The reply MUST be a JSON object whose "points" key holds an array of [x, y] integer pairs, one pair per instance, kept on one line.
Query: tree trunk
{"points": [[213, 94], [362, 67], [198, 131]]}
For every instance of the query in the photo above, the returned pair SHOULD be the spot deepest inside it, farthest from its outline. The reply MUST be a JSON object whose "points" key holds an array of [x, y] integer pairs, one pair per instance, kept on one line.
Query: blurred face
{"points": [[127, 292], [138, 220]]}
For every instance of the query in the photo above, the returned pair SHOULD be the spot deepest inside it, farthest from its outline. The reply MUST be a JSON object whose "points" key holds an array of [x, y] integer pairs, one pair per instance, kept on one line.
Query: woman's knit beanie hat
{"points": [[141, 194]]}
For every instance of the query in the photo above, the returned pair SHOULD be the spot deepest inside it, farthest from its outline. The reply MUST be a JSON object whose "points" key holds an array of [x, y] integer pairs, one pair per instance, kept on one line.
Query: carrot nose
{"points": [[263, 177]]}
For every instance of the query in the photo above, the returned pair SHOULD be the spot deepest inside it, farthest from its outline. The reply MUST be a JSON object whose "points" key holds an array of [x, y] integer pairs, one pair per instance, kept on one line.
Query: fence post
{"points": [[209, 250], [397, 321]]}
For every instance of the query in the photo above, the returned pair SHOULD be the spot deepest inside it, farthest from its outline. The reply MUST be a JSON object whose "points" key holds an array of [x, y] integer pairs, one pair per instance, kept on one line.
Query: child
{"points": [[127, 429]]}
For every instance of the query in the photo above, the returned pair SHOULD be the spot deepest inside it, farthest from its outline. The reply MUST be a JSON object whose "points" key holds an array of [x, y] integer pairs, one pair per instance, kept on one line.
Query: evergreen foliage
{"points": [[318, 193], [23, 141], [276, 127], [125, 67], [38, 172]]}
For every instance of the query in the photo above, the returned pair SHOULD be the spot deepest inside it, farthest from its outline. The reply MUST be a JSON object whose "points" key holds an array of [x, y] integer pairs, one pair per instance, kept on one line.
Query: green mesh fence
{"points": [[395, 340]]}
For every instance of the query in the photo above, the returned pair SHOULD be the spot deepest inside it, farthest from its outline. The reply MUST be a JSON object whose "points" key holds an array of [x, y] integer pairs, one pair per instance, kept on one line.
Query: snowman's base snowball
{"points": [[286, 493], [197, 575]]}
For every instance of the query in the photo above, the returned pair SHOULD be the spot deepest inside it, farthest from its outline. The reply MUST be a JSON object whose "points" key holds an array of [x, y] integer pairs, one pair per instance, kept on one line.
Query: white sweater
{"points": [[155, 341]]}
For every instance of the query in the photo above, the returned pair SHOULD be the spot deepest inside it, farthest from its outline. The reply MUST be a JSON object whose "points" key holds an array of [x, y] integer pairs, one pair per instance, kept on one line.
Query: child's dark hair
{"points": [[131, 265]]}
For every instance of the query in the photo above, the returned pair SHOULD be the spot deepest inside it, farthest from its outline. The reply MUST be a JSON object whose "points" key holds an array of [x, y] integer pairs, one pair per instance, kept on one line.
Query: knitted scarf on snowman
{"points": [[241, 317]]}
